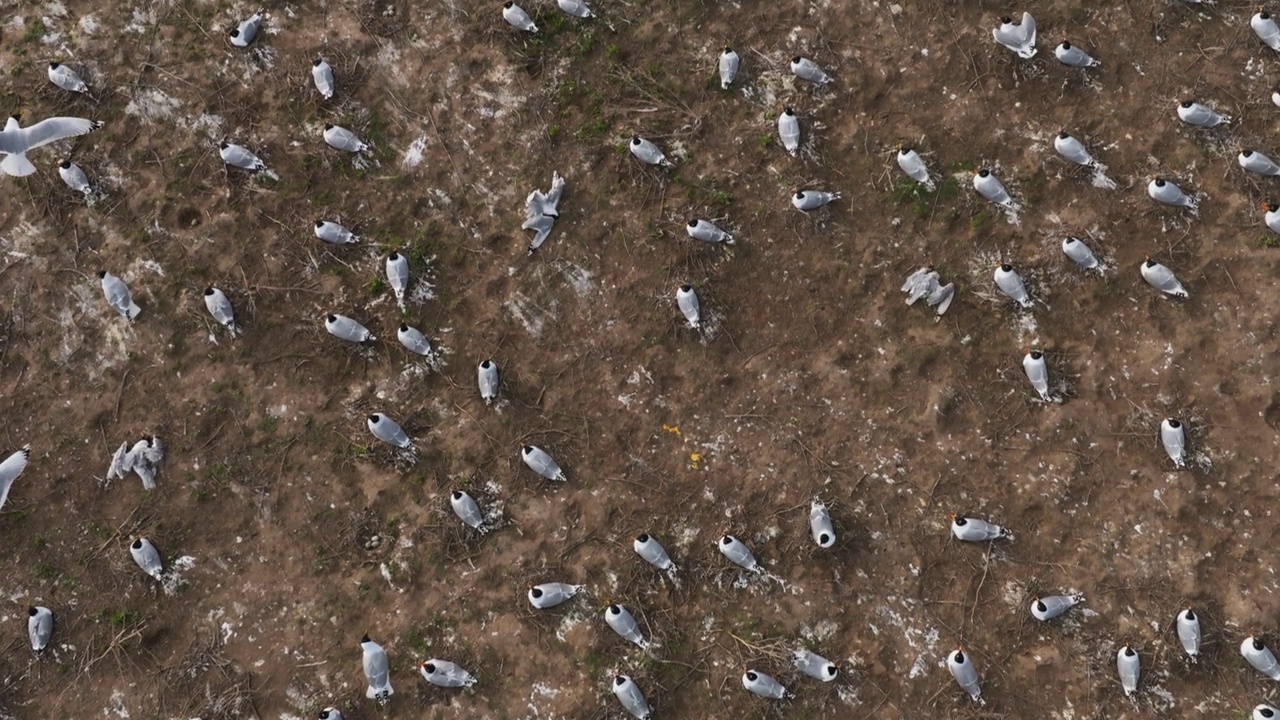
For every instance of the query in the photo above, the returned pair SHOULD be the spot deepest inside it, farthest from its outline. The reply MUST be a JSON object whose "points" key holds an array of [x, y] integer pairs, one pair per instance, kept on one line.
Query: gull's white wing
{"points": [[44, 132], [121, 462], [10, 469]]}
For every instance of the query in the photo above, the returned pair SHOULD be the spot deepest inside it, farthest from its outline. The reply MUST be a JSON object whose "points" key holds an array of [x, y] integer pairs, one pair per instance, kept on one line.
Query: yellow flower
{"points": [[673, 429]]}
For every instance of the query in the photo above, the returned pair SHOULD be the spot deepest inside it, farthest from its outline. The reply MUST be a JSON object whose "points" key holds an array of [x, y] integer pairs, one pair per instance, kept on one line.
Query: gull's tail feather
{"points": [[17, 165]]}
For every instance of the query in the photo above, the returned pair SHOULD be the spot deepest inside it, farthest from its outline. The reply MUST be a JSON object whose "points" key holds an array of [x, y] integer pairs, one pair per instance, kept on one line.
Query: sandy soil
{"points": [[813, 378]]}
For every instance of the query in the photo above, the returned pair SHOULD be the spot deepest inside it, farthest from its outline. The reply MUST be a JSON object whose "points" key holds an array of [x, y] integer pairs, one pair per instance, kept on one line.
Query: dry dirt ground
{"points": [[814, 377]]}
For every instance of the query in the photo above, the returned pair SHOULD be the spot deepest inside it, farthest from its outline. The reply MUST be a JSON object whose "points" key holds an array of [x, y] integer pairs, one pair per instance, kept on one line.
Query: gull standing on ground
{"points": [[1260, 657], [687, 301], [334, 233], [489, 380], [974, 530], [1264, 26], [397, 267], [820, 526], [443, 673], [1048, 608], [1018, 37], [66, 78], [517, 18], [1173, 437], [340, 138], [738, 553], [16, 141], [1162, 278], [541, 211], [924, 283], [760, 684], [1073, 56], [806, 200], [789, 131], [1079, 253], [1073, 150], [965, 674], [707, 232], [806, 69], [240, 157], [1129, 667], [989, 187], [576, 8], [118, 296], [728, 66], [549, 595], [541, 462], [1010, 284], [624, 623], [912, 164], [814, 665], [468, 511], [652, 552], [1193, 113], [216, 302], [388, 431], [1037, 370], [147, 557], [244, 35], [322, 75], [1164, 191], [1189, 633], [1272, 216], [377, 671], [10, 469], [628, 693], [415, 342], [39, 627], [647, 153], [344, 328], [1256, 162], [74, 177]]}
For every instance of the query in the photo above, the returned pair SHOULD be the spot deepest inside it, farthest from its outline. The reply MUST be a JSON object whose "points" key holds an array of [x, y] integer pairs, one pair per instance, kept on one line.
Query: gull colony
{"points": [[144, 457]]}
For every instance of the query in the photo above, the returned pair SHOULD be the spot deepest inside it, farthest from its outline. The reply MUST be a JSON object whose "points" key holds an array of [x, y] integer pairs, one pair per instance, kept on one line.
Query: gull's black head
{"points": [[615, 610], [535, 592], [1174, 424], [208, 291], [796, 59], [508, 4], [404, 328], [234, 32], [823, 539], [224, 145], [959, 657], [375, 418], [1064, 135], [457, 494], [693, 223], [830, 670], [528, 449], [66, 165], [961, 521], [1188, 103], [728, 49], [54, 65], [332, 318], [1041, 607], [1150, 262], [137, 544], [365, 639], [1246, 153], [32, 611], [316, 62], [1036, 354], [319, 223], [393, 256], [1006, 20], [1264, 15], [984, 172], [1160, 182], [788, 111], [429, 667], [635, 139], [752, 676], [1191, 614], [1066, 45], [102, 274], [486, 364], [1128, 651], [1006, 268], [726, 540], [799, 194], [328, 127], [619, 681], [642, 538], [686, 288]]}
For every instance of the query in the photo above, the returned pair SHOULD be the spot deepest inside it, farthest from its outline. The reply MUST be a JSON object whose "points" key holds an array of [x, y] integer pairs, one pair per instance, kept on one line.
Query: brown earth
{"points": [[814, 378]]}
